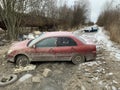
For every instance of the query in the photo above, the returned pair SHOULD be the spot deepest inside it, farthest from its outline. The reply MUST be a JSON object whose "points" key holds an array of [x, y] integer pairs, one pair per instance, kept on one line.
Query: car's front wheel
{"points": [[77, 59], [22, 61]]}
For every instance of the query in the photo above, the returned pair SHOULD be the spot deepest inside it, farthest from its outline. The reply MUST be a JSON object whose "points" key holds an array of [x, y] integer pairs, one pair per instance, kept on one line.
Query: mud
{"points": [[101, 74]]}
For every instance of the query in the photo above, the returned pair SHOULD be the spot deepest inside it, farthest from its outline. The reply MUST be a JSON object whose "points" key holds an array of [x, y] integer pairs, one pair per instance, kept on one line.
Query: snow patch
{"points": [[103, 41], [90, 64], [25, 77]]}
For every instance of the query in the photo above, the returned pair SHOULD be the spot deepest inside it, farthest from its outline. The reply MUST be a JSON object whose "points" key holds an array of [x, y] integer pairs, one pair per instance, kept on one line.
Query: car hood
{"points": [[19, 45]]}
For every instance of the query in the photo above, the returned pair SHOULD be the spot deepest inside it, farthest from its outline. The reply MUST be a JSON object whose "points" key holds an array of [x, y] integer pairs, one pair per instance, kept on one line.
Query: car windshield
{"points": [[33, 41]]}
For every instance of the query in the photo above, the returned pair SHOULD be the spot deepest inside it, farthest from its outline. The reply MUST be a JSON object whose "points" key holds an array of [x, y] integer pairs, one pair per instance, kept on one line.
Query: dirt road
{"points": [[101, 74]]}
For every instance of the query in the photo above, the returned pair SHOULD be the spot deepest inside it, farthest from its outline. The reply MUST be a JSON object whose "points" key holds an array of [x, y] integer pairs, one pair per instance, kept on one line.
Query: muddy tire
{"points": [[22, 61], [6, 80], [77, 59]]}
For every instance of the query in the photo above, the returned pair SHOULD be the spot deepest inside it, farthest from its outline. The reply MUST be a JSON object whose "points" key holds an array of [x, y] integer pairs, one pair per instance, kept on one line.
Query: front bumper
{"points": [[9, 58]]}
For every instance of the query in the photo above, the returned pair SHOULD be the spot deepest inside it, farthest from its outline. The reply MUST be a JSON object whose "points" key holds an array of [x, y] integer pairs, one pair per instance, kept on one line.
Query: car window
{"points": [[48, 42], [65, 41], [32, 42]]}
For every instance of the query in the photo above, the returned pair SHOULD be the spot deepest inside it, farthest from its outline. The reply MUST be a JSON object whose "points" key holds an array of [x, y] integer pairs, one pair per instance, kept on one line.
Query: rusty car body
{"points": [[52, 46]]}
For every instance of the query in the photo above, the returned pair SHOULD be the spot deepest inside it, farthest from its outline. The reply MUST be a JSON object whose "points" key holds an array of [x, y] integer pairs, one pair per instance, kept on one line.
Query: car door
{"points": [[65, 48], [45, 49]]}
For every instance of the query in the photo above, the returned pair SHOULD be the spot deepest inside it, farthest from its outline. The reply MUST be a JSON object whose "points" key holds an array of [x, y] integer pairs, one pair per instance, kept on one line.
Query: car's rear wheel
{"points": [[77, 59], [22, 61]]}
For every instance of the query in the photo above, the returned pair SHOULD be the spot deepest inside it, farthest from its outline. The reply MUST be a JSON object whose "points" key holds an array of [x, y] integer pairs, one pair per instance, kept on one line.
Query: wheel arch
{"points": [[79, 54], [85, 59], [16, 56]]}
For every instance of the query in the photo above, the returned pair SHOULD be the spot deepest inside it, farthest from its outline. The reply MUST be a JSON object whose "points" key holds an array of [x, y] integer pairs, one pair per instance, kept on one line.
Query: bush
{"points": [[110, 18], [115, 32]]}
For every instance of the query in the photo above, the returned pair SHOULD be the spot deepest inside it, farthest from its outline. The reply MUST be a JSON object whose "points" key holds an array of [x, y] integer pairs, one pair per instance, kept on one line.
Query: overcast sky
{"points": [[96, 8], [95, 5]]}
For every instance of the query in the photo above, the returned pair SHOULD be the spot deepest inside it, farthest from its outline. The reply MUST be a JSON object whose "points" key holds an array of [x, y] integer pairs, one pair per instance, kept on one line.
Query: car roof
{"points": [[58, 33]]}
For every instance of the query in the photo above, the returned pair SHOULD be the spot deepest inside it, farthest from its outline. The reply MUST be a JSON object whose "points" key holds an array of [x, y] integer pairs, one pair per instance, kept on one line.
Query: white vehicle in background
{"points": [[91, 29]]}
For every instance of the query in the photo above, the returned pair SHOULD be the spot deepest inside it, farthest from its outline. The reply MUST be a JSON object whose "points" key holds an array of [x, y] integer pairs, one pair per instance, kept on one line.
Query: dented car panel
{"points": [[52, 46], [44, 54], [64, 53]]}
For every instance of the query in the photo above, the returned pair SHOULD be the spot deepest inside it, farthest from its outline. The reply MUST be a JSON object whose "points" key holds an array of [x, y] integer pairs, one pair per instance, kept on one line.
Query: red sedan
{"points": [[52, 46]]}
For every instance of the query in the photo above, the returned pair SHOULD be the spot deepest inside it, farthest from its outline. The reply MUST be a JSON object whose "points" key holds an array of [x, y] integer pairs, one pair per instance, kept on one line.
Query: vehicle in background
{"points": [[91, 29], [52, 46]]}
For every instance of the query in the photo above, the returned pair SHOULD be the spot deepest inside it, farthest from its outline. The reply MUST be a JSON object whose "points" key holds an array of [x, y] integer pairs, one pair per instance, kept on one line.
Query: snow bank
{"points": [[103, 40]]}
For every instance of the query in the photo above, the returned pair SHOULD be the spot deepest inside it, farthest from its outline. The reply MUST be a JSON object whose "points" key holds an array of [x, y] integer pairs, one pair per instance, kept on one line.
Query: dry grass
{"points": [[114, 30]]}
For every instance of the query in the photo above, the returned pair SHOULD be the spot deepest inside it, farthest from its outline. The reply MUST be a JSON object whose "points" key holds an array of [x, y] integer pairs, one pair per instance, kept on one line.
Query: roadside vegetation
{"points": [[110, 19], [17, 14]]}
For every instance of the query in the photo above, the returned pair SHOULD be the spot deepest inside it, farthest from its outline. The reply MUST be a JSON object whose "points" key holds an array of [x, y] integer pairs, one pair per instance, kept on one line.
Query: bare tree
{"points": [[75, 15], [12, 11], [45, 8], [110, 19]]}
